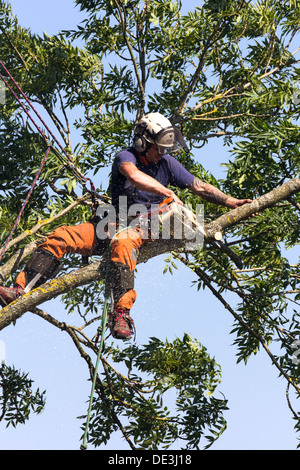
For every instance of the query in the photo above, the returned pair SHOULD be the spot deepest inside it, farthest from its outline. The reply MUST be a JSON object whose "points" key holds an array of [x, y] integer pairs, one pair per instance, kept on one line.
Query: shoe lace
{"points": [[123, 315], [19, 291]]}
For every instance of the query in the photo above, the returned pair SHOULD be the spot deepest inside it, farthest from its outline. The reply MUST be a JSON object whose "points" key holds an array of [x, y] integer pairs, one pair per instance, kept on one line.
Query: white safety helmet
{"points": [[154, 128]]}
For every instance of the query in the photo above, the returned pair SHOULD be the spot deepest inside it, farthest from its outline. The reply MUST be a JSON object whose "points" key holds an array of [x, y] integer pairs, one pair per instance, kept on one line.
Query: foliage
{"points": [[153, 370], [225, 71], [17, 399]]}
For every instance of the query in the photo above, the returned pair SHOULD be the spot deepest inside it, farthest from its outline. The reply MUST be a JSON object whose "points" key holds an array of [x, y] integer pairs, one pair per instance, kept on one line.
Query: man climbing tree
{"points": [[226, 72], [142, 173]]}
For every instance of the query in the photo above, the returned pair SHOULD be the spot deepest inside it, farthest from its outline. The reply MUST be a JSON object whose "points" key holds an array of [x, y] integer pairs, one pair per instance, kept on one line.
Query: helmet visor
{"points": [[170, 140]]}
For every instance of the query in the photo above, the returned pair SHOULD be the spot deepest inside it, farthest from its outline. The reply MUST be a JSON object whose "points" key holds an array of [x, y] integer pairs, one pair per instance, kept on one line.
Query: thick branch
{"points": [[258, 205], [96, 270], [77, 278]]}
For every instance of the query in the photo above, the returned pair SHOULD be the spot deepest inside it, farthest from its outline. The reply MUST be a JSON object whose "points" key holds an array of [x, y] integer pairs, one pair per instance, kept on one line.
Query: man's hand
{"points": [[233, 203], [177, 200], [214, 195]]}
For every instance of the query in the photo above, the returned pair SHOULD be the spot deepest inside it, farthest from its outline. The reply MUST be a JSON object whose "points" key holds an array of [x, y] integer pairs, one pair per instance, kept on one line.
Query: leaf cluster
{"points": [[180, 372], [17, 399]]}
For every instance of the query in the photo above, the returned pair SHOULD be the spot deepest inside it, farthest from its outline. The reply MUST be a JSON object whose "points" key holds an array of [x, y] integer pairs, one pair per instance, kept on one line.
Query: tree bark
{"points": [[96, 270], [258, 205]]}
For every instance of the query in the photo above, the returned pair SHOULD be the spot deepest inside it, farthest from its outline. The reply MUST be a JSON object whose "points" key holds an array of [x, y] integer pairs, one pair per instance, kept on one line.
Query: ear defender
{"points": [[140, 143], [141, 146]]}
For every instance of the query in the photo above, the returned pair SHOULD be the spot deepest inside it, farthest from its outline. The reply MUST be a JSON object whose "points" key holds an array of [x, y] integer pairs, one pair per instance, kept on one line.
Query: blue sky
{"points": [[166, 306]]}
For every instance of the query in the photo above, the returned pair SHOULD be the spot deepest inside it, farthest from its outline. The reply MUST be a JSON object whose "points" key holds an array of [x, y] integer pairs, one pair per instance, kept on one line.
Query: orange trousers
{"points": [[82, 239]]}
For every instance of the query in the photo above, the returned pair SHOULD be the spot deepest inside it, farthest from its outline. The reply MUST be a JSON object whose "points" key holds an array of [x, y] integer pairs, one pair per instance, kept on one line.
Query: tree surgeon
{"points": [[142, 174]]}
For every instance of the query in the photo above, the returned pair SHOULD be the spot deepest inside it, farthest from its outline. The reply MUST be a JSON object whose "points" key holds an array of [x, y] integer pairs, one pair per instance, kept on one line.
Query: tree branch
{"points": [[16, 259], [258, 205], [229, 93], [218, 32], [141, 85], [247, 328], [96, 270]]}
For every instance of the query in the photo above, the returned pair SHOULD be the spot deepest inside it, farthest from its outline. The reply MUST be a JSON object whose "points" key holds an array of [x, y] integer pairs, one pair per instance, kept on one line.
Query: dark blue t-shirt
{"points": [[167, 171]]}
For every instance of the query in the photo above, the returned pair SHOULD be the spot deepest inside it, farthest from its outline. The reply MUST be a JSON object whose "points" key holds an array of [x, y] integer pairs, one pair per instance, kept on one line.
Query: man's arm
{"points": [[214, 195], [145, 182]]}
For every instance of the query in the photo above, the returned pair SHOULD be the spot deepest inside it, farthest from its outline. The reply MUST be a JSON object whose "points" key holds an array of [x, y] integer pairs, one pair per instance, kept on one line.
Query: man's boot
{"points": [[10, 294], [41, 266], [121, 324], [123, 296]]}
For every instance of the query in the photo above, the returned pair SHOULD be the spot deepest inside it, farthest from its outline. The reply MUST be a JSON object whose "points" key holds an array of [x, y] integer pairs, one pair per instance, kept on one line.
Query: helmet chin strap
{"points": [[144, 160], [143, 156]]}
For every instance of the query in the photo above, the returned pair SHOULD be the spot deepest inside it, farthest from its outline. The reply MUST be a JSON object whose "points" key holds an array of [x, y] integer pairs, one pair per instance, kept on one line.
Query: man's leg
{"points": [[45, 261], [124, 252]]}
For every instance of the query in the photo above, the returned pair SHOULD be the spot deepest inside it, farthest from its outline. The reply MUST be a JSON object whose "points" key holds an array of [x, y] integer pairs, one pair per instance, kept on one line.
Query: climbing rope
{"points": [[25, 203], [63, 155], [100, 332]]}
